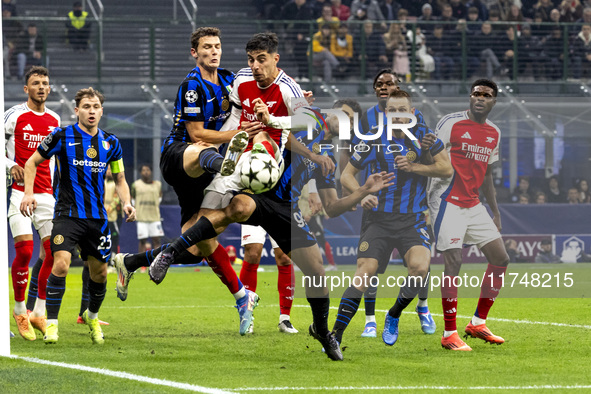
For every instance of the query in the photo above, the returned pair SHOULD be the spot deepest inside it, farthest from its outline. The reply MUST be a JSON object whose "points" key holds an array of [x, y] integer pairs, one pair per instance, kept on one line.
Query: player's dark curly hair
{"points": [[267, 42], [88, 93], [36, 70], [203, 32], [487, 83], [350, 102], [385, 71]]}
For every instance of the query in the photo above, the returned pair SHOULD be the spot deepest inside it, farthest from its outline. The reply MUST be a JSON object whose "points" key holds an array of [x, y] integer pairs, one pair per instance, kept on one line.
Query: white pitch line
{"points": [[367, 388], [129, 376]]}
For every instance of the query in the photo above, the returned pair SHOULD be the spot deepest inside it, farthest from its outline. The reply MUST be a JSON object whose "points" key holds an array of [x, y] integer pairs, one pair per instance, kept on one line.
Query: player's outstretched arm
{"points": [[122, 189], [28, 203], [441, 166], [198, 133], [488, 189], [335, 206], [349, 178]]}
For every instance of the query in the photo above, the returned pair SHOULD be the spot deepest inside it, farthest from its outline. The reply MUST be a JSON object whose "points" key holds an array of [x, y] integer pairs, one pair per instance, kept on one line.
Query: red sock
{"points": [[269, 147], [45, 270], [285, 286], [219, 261], [20, 269], [489, 290], [449, 300], [328, 253], [248, 275]]}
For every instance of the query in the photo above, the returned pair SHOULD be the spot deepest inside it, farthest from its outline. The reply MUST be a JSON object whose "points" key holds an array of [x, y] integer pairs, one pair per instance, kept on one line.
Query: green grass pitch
{"points": [[186, 331]]}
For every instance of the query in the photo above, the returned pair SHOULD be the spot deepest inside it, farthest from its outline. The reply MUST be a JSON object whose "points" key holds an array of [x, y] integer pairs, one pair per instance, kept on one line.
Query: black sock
{"points": [[187, 258], [134, 261], [84, 299], [96, 292], [56, 287], [200, 231], [424, 291], [407, 293], [370, 301], [210, 160], [320, 307], [347, 309], [34, 285]]}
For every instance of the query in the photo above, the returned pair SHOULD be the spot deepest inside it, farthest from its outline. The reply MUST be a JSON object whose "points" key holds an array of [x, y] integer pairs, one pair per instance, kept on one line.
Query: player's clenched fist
{"points": [[428, 141], [403, 164], [261, 110]]}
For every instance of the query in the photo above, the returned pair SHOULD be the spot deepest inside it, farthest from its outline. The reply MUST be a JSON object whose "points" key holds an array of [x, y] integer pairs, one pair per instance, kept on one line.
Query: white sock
{"points": [[92, 315], [421, 303], [370, 319], [20, 307], [240, 293], [448, 333], [39, 309], [51, 321], [476, 321], [283, 317]]}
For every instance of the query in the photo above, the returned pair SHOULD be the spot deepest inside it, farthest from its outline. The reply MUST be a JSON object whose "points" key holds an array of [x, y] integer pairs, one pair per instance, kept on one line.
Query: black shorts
{"points": [[188, 190], [381, 233], [92, 235], [288, 228]]}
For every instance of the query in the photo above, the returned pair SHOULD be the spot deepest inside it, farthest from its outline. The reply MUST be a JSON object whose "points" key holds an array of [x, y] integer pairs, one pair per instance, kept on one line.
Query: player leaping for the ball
{"points": [[459, 217]]}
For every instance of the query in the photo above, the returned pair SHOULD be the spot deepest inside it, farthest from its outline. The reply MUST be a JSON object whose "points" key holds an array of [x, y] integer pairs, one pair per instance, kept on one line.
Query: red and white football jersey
{"points": [[283, 97], [25, 129], [472, 147]]}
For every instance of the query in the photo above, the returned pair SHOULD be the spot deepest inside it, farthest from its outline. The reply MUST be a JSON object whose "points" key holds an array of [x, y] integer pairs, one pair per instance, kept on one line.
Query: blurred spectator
{"points": [[11, 31], [543, 7], [472, 49], [341, 46], [514, 254], [484, 43], [447, 16], [340, 10], [521, 188], [532, 51], [327, 19], [442, 49], [482, 8], [473, 15], [540, 198], [545, 254], [555, 17], [581, 53], [268, 9], [572, 196], [10, 6], [514, 14], [366, 9], [523, 199], [322, 57], [402, 18], [586, 16], [28, 50], [375, 50], [397, 48], [427, 16], [554, 54], [540, 30], [494, 16], [78, 28], [583, 188], [318, 7], [297, 33], [459, 10], [507, 47], [570, 10], [389, 9], [427, 61], [553, 192]]}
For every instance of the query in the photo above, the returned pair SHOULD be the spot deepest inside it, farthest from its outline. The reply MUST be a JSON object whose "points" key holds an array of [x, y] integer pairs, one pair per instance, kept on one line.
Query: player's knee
{"points": [[282, 259], [60, 267], [262, 136], [252, 255], [238, 211]]}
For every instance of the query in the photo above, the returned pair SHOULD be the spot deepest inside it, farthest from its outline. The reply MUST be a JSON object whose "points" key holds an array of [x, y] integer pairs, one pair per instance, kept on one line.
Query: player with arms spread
{"points": [[83, 153], [459, 217]]}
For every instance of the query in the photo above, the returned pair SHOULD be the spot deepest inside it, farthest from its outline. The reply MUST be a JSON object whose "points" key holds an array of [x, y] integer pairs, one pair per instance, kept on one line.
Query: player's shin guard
{"points": [[449, 300], [219, 261], [210, 160], [34, 284], [285, 287], [424, 290], [405, 296], [248, 275], [56, 287], [200, 231], [85, 295], [45, 270], [347, 309], [320, 307], [134, 261], [489, 290], [20, 269], [96, 292]]}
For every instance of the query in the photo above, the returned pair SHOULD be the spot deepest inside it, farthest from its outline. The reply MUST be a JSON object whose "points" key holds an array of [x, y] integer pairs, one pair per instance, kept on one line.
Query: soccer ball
{"points": [[260, 173]]}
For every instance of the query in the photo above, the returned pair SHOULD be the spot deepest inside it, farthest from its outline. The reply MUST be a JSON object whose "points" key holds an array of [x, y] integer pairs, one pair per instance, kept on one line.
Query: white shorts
{"points": [[149, 229], [41, 219], [255, 235], [454, 226]]}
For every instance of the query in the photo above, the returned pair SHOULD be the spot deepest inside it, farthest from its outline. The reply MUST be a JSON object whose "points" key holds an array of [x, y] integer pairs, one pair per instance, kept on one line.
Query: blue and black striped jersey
{"points": [[81, 164], [299, 170], [408, 192], [369, 120], [198, 100]]}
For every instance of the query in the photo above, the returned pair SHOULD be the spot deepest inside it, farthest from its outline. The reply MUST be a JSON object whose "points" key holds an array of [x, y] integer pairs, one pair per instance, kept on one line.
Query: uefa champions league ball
{"points": [[260, 173]]}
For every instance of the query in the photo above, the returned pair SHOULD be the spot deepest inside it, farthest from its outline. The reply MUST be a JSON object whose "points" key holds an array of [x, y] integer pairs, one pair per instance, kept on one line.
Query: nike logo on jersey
{"points": [[28, 127], [467, 136], [246, 103], [211, 99], [73, 143]]}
